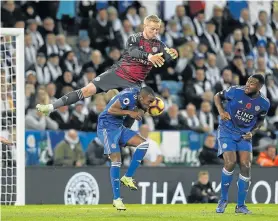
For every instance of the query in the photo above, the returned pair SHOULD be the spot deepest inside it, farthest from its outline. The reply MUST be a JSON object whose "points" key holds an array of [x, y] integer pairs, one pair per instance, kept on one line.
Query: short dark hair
{"points": [[147, 90], [259, 77]]}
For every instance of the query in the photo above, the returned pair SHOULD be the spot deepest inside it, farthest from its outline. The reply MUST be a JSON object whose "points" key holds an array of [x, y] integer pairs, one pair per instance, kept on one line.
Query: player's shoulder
{"points": [[135, 36], [264, 100], [130, 92], [235, 87]]}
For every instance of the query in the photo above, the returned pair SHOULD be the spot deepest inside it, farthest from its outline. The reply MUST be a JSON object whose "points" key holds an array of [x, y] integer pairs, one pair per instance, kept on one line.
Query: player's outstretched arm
{"points": [[218, 103], [117, 110]]}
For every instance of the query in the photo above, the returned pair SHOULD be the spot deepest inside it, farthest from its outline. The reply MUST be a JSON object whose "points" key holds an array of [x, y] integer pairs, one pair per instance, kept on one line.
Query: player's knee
{"points": [[246, 165], [89, 90], [144, 145], [115, 157], [230, 165]]}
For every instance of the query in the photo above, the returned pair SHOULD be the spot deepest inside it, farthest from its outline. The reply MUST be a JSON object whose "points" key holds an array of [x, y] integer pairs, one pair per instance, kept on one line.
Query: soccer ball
{"points": [[157, 107]]}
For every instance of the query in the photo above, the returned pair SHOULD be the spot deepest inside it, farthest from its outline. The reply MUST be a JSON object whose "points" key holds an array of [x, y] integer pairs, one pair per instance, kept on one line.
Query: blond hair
{"points": [[152, 18]]}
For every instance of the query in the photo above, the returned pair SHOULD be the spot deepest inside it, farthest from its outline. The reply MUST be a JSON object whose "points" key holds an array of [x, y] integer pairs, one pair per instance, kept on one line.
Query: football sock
{"points": [[68, 99], [137, 158], [243, 186], [226, 179], [115, 178]]}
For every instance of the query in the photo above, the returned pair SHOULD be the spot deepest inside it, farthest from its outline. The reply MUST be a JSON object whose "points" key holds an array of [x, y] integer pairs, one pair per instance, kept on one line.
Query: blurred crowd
{"points": [[68, 44]]}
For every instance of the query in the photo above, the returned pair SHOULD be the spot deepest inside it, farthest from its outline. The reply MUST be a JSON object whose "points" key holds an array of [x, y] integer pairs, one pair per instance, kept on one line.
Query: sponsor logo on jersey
{"points": [[243, 116], [241, 102], [81, 189], [113, 145], [224, 145], [257, 108], [142, 61], [97, 79], [155, 49]]}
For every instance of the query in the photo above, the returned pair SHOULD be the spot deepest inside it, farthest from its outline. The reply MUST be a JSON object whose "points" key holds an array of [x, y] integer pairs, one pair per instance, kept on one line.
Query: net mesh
{"points": [[8, 119]]}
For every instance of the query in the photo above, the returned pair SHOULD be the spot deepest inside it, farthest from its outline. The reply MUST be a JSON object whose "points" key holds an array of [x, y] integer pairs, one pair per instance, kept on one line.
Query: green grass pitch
{"points": [[195, 212]]}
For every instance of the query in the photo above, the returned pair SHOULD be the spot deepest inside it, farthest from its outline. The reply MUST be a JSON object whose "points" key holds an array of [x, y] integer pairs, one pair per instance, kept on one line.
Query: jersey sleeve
{"points": [[133, 48], [263, 113], [127, 100], [166, 56], [229, 93]]}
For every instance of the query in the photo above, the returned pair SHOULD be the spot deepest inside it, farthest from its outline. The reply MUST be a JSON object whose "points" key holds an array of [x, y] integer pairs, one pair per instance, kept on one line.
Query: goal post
{"points": [[12, 64]]}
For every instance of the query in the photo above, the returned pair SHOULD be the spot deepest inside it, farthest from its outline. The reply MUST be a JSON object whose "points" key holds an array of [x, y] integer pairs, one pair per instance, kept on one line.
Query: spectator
{"points": [[54, 69], [143, 13], [171, 120], [89, 75], [69, 151], [167, 98], [259, 35], [208, 155], [67, 79], [246, 39], [164, 36], [206, 116], [274, 22], [126, 31], [153, 155], [263, 20], [51, 91], [245, 20], [96, 62], [31, 78], [35, 120], [30, 13], [50, 46], [30, 96], [268, 158], [272, 56], [78, 118], [83, 50], [41, 70], [225, 56], [113, 56], [199, 23], [32, 28], [181, 18], [188, 34], [94, 153], [250, 66], [30, 52], [100, 31], [213, 72], [202, 191], [62, 117], [238, 69], [10, 14], [113, 17], [225, 82], [133, 18], [70, 63], [272, 95], [211, 38], [48, 27], [236, 36], [63, 47], [199, 89], [173, 31]]}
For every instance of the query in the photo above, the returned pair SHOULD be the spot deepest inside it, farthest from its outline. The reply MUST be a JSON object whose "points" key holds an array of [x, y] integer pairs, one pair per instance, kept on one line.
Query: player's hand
{"points": [[225, 116], [5, 141], [172, 52], [156, 59], [137, 115], [247, 136]]}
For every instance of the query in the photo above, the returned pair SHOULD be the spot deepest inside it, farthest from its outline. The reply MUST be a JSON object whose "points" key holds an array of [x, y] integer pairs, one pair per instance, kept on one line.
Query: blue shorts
{"points": [[228, 141], [113, 139]]}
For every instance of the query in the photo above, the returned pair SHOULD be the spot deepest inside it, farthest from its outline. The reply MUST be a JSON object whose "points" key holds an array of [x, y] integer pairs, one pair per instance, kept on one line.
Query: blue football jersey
{"points": [[244, 110], [128, 100]]}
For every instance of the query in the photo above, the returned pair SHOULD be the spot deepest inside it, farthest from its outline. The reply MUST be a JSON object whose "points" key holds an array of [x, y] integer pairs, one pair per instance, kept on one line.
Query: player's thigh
{"points": [[110, 80], [131, 138], [110, 140], [226, 144]]}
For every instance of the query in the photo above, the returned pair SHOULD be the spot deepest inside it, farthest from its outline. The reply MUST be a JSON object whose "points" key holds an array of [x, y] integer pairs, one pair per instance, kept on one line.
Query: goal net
{"points": [[12, 116]]}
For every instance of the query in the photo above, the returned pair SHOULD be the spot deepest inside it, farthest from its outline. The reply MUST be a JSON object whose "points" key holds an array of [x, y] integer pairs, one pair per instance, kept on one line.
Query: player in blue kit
{"points": [[132, 102], [241, 117]]}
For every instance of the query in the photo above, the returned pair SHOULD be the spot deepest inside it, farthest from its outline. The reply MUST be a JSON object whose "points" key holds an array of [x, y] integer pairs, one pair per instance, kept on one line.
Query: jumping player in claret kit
{"points": [[242, 116], [143, 50], [113, 134]]}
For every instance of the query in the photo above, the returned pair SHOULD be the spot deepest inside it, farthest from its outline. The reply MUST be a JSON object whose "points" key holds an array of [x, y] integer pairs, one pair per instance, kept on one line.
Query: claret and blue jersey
{"points": [[245, 112]]}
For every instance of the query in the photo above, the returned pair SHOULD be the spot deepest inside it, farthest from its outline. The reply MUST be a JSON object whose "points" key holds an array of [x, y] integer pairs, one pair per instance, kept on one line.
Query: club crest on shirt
{"points": [[257, 108], [155, 49]]}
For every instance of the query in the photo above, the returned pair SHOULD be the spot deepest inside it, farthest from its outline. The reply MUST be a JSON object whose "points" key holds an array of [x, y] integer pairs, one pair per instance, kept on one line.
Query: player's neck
{"points": [[145, 36], [254, 95]]}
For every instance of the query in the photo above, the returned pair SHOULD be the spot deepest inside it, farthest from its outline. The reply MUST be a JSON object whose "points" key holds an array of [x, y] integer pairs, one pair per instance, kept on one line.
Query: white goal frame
{"points": [[20, 112]]}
